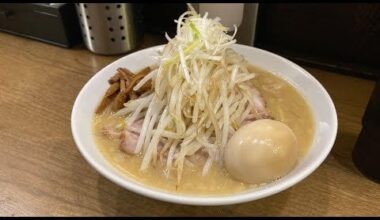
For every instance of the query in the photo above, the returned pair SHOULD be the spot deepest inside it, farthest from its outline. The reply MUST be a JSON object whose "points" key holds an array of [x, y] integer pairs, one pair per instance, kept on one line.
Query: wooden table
{"points": [[43, 173]]}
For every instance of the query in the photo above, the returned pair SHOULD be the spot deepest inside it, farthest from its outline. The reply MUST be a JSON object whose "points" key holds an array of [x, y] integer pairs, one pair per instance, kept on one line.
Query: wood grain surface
{"points": [[42, 173]]}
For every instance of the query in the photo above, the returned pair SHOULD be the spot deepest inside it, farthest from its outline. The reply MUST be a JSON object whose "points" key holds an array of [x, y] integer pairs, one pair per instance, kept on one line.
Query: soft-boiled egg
{"points": [[261, 151]]}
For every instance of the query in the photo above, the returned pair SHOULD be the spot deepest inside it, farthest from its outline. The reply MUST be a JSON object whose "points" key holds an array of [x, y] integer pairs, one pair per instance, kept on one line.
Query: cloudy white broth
{"points": [[283, 102]]}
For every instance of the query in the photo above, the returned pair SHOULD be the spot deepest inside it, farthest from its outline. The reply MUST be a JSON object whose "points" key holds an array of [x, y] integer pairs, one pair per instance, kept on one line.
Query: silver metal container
{"points": [[110, 28]]}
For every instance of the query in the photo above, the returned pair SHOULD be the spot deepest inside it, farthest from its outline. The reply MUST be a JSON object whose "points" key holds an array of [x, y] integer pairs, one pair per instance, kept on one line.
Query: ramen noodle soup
{"points": [[283, 102], [202, 120]]}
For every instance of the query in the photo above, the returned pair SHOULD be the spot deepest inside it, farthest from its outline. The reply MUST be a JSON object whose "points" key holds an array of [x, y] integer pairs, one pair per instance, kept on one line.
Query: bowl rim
{"points": [[209, 200]]}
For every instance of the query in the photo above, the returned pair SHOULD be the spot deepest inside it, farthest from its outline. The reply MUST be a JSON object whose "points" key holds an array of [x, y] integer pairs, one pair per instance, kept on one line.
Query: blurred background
{"points": [[342, 37]]}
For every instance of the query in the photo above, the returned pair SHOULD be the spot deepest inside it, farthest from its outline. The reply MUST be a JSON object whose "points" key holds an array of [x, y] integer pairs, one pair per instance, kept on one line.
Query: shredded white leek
{"points": [[201, 94]]}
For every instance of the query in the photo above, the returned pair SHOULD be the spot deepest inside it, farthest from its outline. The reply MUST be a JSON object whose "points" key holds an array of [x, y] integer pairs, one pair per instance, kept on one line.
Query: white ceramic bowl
{"points": [[317, 97]]}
